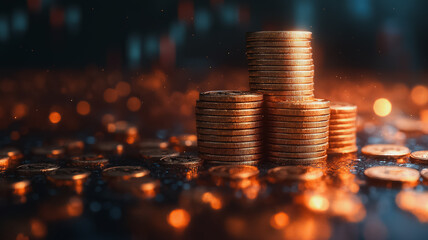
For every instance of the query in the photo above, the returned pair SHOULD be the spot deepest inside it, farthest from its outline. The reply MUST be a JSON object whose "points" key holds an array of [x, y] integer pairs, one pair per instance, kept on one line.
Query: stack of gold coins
{"points": [[229, 127], [280, 64], [297, 132], [343, 128]]}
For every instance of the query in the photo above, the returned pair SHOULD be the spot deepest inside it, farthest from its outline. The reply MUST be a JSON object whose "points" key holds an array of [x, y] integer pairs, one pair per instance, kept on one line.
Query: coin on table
{"points": [[181, 160], [385, 150], [279, 62], [280, 56], [216, 138], [281, 141], [297, 161], [297, 135], [393, 174], [279, 35], [296, 130], [294, 73], [232, 119], [66, 175], [282, 86], [281, 80], [419, 156], [282, 68], [297, 148], [229, 132], [297, 155], [229, 105], [298, 112], [228, 112], [36, 168], [340, 150], [262, 50], [234, 171], [158, 153], [424, 173], [297, 124], [226, 158], [125, 172], [229, 125], [279, 44], [315, 104], [345, 131], [230, 96], [290, 98], [152, 143], [231, 151], [89, 161], [298, 119], [229, 144], [293, 173]]}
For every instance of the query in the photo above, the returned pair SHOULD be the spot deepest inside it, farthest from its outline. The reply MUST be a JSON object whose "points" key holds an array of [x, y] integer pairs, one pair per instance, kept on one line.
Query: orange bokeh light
{"points": [[214, 202], [19, 110], [110, 95], [178, 218], [279, 220], [38, 228], [133, 104], [318, 203], [382, 107], [419, 95], [54, 117], [83, 108], [123, 89]]}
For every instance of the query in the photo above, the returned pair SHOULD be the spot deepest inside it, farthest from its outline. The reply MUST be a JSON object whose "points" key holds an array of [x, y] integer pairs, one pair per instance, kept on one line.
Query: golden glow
{"points": [[38, 228], [83, 108], [308, 227], [414, 202], [279, 220], [107, 118], [110, 95], [382, 107], [123, 89], [318, 203], [419, 95], [74, 207], [424, 115], [19, 111], [214, 202], [178, 218], [235, 226], [54, 117], [133, 104]]}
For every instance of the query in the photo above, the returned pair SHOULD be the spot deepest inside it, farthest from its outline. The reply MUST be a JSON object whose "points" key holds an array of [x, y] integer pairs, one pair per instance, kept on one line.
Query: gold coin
{"points": [[297, 136], [297, 148], [297, 130], [248, 163], [281, 80], [297, 161], [229, 105], [229, 144], [89, 161], [231, 119], [231, 151], [36, 168], [298, 119], [229, 132], [234, 171], [279, 43], [215, 138], [385, 150], [281, 73], [230, 96], [342, 120], [308, 93], [342, 126], [297, 155], [125, 172], [342, 115], [342, 150], [282, 141], [424, 173], [419, 156], [290, 98], [181, 160], [393, 174], [226, 158], [63, 175], [157, 153], [341, 107], [293, 173], [281, 68], [343, 137], [280, 62], [279, 35], [228, 112], [298, 112], [262, 50], [335, 132], [282, 86], [280, 56], [315, 104], [231, 126], [297, 124]]}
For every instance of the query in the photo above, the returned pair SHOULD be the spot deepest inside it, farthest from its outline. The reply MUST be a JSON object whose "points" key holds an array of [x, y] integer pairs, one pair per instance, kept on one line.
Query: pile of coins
{"points": [[297, 132], [229, 127], [343, 128], [280, 64]]}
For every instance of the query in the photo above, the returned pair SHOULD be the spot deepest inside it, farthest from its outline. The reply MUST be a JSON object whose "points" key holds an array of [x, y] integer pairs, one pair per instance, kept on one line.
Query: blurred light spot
{"points": [[123, 88], [177, 32], [107, 118], [19, 111], [229, 14], [133, 104], [214, 201], [185, 10], [318, 203], [134, 50], [304, 13], [14, 135], [38, 228], [151, 46], [74, 207], [54, 117], [22, 236], [72, 18], [203, 20], [419, 95], [361, 9], [235, 226], [19, 21], [34, 5], [178, 218], [382, 107], [279, 220], [424, 115], [83, 108], [110, 95], [167, 52], [57, 17], [4, 29]]}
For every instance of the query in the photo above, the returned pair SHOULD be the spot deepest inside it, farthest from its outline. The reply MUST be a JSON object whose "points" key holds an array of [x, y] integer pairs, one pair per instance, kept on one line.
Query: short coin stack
{"points": [[280, 64], [297, 132], [229, 127], [343, 129]]}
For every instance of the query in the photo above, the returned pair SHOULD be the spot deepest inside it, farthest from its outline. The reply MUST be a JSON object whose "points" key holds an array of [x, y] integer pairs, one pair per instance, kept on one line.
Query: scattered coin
{"points": [[424, 173], [385, 150], [181, 160], [293, 173], [125, 172], [36, 168], [419, 156], [393, 174], [89, 161], [66, 176]]}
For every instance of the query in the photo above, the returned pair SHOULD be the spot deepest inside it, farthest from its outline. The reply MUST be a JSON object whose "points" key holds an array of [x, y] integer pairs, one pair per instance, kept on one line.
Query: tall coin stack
{"points": [[343, 137], [280, 64], [229, 127]]}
